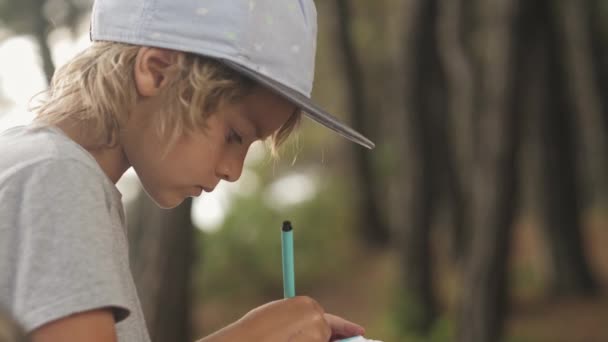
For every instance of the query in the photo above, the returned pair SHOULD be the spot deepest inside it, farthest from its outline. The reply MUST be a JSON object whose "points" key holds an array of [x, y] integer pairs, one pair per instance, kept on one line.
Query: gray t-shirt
{"points": [[63, 243]]}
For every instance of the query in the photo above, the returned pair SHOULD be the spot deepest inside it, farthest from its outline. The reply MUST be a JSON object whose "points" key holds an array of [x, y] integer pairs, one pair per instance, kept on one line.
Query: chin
{"points": [[165, 200], [167, 204]]}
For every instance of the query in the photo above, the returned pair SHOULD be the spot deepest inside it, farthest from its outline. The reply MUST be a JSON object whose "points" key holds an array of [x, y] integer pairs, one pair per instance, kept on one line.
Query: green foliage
{"points": [[525, 280], [409, 323], [411, 312], [518, 339], [243, 258], [442, 331]]}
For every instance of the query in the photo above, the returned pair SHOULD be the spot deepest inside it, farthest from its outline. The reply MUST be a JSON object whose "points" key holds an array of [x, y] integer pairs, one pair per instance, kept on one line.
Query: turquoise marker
{"points": [[289, 282]]}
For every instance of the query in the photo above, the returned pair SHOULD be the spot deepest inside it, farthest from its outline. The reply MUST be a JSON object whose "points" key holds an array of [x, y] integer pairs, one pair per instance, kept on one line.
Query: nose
{"points": [[230, 169]]}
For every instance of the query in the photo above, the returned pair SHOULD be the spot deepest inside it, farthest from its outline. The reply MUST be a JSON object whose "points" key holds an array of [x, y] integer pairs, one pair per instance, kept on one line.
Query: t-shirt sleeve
{"points": [[67, 255]]}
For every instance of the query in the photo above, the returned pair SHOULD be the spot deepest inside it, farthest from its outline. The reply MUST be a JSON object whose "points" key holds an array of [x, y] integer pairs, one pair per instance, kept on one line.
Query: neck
{"points": [[112, 160]]}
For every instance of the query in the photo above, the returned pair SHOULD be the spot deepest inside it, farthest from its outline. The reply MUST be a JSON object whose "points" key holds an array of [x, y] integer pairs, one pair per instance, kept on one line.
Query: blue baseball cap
{"points": [[272, 42]]}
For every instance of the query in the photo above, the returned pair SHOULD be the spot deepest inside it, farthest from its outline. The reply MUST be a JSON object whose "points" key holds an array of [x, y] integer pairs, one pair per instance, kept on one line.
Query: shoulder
{"points": [[42, 166], [44, 153], [24, 146]]}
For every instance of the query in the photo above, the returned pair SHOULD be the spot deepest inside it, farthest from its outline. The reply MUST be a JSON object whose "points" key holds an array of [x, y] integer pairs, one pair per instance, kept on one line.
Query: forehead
{"points": [[266, 111]]}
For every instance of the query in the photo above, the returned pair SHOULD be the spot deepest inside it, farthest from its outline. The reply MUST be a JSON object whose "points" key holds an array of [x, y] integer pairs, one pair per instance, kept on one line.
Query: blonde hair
{"points": [[97, 88]]}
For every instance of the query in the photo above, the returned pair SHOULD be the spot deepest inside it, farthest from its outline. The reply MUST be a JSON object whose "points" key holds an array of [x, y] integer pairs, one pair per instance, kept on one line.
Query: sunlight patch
{"points": [[292, 189]]}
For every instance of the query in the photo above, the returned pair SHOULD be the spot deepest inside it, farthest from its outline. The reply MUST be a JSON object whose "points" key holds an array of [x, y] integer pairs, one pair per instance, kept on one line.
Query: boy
{"points": [[178, 90]]}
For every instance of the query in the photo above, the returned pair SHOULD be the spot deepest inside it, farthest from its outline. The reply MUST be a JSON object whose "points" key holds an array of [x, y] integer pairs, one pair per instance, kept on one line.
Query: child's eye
{"points": [[234, 137]]}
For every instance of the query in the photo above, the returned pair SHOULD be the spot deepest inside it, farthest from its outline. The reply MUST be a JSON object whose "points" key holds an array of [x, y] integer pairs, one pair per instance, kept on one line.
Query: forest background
{"points": [[480, 216]]}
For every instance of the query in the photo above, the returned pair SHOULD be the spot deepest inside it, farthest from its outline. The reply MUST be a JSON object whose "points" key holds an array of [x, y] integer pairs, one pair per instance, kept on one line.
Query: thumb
{"points": [[343, 328]]}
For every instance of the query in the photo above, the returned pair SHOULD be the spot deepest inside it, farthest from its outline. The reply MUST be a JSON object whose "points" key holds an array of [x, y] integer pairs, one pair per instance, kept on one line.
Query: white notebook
{"points": [[358, 339]]}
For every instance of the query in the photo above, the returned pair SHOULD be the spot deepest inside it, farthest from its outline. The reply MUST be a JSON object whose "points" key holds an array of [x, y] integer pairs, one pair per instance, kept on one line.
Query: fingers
{"points": [[341, 327], [311, 324], [337, 326], [296, 319], [308, 303], [307, 320]]}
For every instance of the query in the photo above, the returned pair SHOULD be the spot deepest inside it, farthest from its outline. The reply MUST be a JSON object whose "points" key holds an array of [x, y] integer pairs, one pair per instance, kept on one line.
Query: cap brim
{"points": [[310, 109]]}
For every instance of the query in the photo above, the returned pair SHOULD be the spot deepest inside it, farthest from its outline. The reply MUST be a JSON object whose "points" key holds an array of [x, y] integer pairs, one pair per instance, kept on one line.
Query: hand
{"points": [[298, 319]]}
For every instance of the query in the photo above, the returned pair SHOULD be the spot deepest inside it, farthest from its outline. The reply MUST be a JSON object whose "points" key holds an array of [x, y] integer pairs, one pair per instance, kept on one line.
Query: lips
{"points": [[197, 191], [206, 189]]}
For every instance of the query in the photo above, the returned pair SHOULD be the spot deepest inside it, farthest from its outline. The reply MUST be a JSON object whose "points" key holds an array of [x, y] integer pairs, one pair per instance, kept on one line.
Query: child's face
{"points": [[198, 161]]}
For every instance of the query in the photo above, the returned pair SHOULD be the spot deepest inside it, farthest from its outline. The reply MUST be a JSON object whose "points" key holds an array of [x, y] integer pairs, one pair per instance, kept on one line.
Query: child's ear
{"points": [[153, 70]]}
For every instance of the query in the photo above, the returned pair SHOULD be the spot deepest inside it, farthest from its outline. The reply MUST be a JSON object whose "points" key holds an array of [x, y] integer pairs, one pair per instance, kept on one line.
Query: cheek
{"points": [[193, 160], [146, 161], [144, 150]]}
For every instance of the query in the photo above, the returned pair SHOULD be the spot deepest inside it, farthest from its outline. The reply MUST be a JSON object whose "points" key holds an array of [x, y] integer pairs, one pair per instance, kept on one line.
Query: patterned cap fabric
{"points": [[270, 41]]}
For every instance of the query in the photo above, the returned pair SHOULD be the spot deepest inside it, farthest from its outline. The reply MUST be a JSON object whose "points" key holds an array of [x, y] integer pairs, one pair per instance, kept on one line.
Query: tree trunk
{"points": [[598, 28], [456, 62], [40, 30], [162, 254], [10, 329], [418, 306], [373, 227], [493, 198], [560, 202], [577, 49]]}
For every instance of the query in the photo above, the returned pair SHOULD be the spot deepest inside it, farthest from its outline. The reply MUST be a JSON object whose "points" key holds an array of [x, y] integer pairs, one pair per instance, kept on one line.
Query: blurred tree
{"points": [[598, 27], [372, 225], [10, 329], [577, 51], [560, 202], [458, 134], [544, 76], [162, 251], [417, 301], [38, 18], [494, 178]]}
